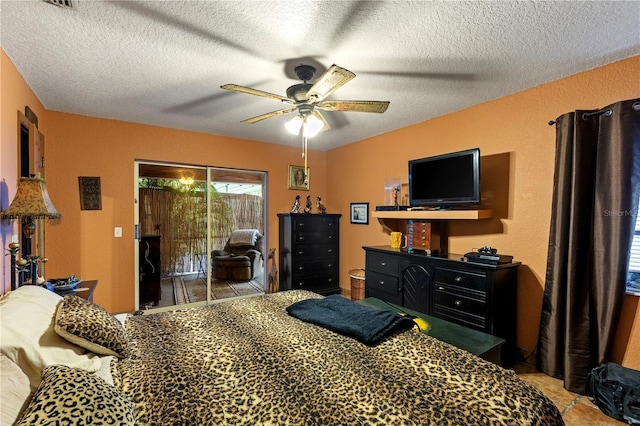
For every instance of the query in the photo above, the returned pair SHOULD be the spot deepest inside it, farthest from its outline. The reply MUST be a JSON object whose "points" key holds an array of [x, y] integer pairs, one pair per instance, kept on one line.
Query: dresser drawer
{"points": [[382, 283], [384, 264], [317, 223], [311, 251], [450, 304], [464, 279], [459, 317], [317, 237], [316, 283], [446, 296], [315, 267]]}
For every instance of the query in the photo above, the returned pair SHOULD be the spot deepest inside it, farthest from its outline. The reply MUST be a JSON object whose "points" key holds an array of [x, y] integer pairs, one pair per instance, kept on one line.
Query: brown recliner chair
{"points": [[239, 261]]}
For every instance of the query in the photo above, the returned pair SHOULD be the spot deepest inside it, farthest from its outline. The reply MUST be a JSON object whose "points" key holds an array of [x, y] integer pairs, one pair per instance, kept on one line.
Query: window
{"points": [[633, 280]]}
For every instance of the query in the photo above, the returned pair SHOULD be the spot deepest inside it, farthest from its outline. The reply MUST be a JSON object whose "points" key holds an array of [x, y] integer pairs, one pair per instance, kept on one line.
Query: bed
{"points": [[249, 362]]}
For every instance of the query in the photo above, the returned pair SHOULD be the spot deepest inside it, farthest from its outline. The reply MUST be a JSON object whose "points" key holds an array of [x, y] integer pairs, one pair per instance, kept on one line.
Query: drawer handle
{"points": [[458, 303], [381, 282], [330, 251], [330, 237], [441, 288], [300, 252], [300, 268], [330, 265], [457, 279], [383, 264]]}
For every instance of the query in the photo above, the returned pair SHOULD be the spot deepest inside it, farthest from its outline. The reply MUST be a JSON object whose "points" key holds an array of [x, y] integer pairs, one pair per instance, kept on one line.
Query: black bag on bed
{"points": [[616, 391]]}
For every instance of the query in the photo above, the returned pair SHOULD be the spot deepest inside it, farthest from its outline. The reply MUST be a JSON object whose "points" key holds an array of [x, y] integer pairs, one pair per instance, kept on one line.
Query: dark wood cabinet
{"points": [[149, 262], [481, 297], [309, 252]]}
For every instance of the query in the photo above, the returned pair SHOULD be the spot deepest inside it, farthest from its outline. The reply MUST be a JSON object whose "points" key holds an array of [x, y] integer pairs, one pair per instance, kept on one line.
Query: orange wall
{"points": [[83, 243], [517, 148], [515, 139], [15, 95]]}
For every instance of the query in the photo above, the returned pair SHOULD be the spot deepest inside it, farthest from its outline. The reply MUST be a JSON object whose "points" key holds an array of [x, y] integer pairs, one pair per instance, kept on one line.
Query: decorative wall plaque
{"points": [[90, 197]]}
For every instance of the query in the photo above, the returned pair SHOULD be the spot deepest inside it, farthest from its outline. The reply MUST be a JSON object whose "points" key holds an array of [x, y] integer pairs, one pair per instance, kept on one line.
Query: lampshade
{"points": [[310, 124], [31, 200]]}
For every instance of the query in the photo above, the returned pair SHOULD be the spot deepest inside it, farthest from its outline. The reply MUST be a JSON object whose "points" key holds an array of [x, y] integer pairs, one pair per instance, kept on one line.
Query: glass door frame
{"points": [[209, 241]]}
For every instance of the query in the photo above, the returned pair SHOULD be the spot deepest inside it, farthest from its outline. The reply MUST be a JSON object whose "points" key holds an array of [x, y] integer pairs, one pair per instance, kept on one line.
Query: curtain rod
{"points": [[606, 111]]}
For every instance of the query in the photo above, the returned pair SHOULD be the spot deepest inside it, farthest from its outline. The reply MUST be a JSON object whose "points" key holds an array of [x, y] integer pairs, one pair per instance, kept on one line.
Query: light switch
{"points": [[117, 232]]}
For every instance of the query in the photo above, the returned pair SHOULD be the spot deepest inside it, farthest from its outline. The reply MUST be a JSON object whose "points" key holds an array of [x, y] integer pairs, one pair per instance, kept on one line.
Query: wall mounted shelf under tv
{"points": [[473, 214]]}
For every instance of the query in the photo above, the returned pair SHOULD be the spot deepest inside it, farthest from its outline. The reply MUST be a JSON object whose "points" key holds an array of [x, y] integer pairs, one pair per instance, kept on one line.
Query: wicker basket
{"points": [[357, 284]]}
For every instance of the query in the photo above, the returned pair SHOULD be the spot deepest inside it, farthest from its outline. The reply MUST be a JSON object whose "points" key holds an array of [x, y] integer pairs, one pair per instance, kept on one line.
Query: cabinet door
{"points": [[383, 287], [416, 288]]}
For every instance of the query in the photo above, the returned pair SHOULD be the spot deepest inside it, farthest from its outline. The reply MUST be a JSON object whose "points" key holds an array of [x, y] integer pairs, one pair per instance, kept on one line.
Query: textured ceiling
{"points": [[163, 63]]}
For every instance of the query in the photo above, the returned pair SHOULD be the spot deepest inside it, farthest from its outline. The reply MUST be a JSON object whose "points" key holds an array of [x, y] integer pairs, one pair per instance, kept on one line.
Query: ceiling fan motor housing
{"points": [[298, 92]]}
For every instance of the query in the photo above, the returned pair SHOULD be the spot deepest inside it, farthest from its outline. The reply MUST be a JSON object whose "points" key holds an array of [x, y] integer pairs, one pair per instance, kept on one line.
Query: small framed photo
{"points": [[360, 213], [298, 178]]}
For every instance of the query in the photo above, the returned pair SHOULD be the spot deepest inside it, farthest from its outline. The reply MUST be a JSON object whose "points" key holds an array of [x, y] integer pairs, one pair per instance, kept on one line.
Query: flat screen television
{"points": [[445, 181]]}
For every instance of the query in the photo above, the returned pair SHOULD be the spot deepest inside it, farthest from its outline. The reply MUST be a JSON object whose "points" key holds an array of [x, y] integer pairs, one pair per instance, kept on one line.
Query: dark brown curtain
{"points": [[595, 202]]}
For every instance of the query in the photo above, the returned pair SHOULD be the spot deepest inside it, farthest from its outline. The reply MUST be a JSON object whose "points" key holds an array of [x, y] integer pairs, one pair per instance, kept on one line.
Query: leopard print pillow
{"points": [[70, 396], [90, 326]]}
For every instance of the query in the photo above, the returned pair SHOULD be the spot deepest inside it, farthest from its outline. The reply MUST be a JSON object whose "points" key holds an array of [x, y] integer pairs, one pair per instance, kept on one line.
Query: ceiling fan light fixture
{"points": [[293, 125], [312, 126]]}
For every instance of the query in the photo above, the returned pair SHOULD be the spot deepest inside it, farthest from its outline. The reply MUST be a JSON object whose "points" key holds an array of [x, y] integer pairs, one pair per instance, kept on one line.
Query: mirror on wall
{"points": [[31, 163]]}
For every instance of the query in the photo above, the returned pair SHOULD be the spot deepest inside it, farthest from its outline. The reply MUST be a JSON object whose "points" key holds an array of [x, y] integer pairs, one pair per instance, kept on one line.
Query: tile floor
{"points": [[577, 410]]}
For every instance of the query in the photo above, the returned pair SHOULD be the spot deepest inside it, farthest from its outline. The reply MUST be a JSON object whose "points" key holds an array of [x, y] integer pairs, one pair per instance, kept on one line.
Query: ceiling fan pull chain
{"points": [[304, 154]]}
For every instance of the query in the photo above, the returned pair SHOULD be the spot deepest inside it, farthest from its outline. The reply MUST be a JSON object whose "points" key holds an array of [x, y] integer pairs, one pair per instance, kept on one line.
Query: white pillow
{"points": [[28, 336], [15, 392]]}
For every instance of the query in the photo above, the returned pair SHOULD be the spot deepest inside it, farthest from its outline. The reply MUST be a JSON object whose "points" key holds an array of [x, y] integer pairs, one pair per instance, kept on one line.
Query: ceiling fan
{"points": [[307, 98]]}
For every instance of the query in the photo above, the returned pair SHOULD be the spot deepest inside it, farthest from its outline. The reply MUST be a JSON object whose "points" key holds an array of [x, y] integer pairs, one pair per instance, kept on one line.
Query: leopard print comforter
{"points": [[247, 362]]}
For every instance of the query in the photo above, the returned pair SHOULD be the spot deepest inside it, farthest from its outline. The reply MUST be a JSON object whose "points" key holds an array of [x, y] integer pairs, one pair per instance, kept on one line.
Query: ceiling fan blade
{"points": [[268, 115], [331, 80], [357, 106], [321, 118], [255, 92]]}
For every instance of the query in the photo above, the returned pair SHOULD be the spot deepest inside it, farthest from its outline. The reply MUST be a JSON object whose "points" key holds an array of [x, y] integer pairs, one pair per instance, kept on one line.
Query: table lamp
{"points": [[31, 202]]}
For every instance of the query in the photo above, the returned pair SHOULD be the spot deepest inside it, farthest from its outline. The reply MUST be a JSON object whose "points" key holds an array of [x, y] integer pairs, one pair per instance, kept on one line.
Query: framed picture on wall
{"points": [[90, 194], [298, 178], [360, 213]]}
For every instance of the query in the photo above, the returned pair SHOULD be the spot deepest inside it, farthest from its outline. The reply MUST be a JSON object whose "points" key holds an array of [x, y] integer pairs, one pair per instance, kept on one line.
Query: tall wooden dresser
{"points": [[309, 252]]}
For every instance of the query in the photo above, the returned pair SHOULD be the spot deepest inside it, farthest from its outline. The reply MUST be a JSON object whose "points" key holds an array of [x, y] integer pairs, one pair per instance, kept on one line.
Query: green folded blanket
{"points": [[366, 324]]}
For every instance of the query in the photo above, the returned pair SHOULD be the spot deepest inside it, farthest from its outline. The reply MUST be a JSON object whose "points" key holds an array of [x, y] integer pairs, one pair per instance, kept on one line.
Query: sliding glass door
{"points": [[184, 213]]}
